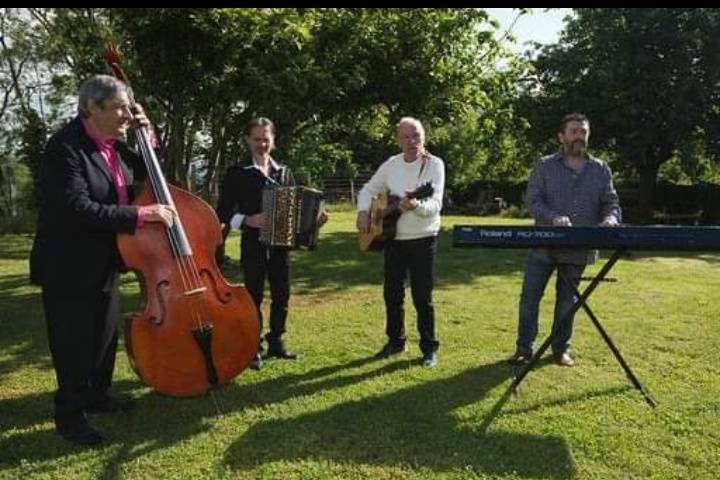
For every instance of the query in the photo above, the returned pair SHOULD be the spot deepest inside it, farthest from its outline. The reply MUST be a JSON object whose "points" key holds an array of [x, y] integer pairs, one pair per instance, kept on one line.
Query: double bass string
{"points": [[190, 270], [175, 244]]}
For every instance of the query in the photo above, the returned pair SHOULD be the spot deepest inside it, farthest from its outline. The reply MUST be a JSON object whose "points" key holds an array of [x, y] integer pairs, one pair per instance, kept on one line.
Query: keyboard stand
{"points": [[582, 302]]}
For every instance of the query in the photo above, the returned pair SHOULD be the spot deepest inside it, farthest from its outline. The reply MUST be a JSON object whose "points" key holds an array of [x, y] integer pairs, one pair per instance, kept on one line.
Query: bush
{"points": [[24, 223], [515, 211]]}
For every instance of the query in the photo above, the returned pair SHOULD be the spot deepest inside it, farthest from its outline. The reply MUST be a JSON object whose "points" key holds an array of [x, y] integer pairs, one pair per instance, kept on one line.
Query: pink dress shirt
{"points": [[106, 146]]}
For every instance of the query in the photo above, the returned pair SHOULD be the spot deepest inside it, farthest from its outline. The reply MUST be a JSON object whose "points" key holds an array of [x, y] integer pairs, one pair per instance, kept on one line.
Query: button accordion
{"points": [[291, 216]]}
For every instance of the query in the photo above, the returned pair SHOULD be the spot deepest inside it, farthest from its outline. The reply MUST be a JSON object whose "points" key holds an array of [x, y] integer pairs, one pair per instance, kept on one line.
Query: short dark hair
{"points": [[259, 122], [572, 117]]}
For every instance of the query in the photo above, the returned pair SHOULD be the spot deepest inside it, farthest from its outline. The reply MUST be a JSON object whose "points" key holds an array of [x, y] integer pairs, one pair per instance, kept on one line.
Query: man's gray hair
{"points": [[413, 121], [97, 89]]}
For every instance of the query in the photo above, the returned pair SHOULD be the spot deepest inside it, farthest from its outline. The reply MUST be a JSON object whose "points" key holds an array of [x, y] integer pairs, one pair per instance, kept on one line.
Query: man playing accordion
{"points": [[241, 206]]}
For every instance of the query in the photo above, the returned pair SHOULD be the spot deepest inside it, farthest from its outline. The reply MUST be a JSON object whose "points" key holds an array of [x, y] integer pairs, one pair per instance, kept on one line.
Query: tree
{"points": [[334, 81], [648, 78], [18, 55], [34, 136], [45, 54]]}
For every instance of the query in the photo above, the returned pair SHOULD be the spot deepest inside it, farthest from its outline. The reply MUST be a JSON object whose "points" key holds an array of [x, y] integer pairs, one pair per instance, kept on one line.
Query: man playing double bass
{"points": [[85, 186]]}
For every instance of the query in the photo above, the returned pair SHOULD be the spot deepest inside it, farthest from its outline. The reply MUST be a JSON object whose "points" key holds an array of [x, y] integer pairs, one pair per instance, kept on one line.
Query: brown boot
{"points": [[564, 359]]}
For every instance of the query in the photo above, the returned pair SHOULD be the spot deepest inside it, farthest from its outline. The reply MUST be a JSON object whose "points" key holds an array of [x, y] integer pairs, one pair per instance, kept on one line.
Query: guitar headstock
{"points": [[423, 191]]}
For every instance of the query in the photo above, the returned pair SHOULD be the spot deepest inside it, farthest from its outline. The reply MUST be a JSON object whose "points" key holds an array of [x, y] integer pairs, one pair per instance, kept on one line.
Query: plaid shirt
{"points": [[586, 196]]}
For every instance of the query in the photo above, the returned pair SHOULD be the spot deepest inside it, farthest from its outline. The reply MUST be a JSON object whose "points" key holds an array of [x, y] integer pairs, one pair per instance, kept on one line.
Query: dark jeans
{"points": [[82, 334], [538, 269], [260, 261], [416, 257]]}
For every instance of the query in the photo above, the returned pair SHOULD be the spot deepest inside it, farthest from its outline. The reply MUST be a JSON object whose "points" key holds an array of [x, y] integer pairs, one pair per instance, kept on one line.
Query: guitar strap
{"points": [[422, 167]]}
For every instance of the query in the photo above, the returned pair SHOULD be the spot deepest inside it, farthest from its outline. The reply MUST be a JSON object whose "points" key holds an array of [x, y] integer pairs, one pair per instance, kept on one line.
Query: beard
{"points": [[577, 148]]}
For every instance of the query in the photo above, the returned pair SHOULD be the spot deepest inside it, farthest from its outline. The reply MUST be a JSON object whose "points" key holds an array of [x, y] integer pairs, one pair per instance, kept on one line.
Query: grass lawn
{"points": [[338, 414]]}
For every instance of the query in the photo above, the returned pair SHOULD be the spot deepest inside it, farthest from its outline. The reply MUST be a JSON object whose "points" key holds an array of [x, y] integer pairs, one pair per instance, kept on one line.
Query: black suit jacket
{"points": [[74, 248], [242, 188]]}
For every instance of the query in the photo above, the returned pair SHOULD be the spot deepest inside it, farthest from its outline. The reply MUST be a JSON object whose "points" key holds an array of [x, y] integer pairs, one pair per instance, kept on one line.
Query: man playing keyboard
{"points": [[568, 188]]}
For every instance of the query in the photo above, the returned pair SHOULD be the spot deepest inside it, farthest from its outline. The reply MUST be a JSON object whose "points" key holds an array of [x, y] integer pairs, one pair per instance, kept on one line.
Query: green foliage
{"points": [[515, 211], [46, 53], [24, 223], [313, 157], [334, 80], [34, 136], [691, 164]]}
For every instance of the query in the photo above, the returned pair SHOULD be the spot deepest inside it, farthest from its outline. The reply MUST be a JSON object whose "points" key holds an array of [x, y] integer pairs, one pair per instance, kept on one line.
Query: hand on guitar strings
{"points": [[407, 204]]}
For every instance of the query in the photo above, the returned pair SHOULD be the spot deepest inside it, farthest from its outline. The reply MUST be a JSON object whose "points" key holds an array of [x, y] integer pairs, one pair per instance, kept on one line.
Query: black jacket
{"points": [[74, 247], [242, 189]]}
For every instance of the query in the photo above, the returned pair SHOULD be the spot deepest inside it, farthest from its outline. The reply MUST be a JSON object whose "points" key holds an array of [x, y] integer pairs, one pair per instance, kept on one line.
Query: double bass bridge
{"points": [[196, 291]]}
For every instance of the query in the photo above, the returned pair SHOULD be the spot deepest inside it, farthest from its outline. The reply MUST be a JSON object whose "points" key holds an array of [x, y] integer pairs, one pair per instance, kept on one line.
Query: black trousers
{"points": [[259, 262], [82, 333], [416, 257]]}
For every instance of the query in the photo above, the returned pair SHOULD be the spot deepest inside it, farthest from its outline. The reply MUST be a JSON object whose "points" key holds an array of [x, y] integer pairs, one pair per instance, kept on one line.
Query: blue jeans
{"points": [[538, 269]]}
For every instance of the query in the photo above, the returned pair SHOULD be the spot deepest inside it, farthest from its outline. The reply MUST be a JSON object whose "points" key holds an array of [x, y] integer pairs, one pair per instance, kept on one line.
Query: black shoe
{"points": [[389, 349], [108, 403], [80, 433], [256, 363], [520, 357], [276, 348], [280, 352], [430, 359]]}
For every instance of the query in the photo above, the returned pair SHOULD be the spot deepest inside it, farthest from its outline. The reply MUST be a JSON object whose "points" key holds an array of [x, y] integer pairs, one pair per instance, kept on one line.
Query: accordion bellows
{"points": [[291, 216]]}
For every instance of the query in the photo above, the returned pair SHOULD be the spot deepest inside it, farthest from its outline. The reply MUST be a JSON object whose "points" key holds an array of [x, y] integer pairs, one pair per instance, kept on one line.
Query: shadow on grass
{"points": [[23, 342], [416, 426], [159, 421]]}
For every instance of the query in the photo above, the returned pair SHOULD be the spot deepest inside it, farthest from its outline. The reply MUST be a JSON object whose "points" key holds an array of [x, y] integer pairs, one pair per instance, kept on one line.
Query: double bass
{"points": [[195, 330]]}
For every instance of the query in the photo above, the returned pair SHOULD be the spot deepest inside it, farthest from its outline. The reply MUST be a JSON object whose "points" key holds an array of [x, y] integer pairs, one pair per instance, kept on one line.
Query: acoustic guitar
{"points": [[384, 214]]}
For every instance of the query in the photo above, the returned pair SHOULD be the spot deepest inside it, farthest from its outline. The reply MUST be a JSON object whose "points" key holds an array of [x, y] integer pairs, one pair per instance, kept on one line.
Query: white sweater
{"points": [[396, 176]]}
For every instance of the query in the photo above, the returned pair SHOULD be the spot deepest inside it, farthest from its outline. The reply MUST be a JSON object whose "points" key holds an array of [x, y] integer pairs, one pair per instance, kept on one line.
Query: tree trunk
{"points": [[184, 166], [176, 148], [221, 128]]}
